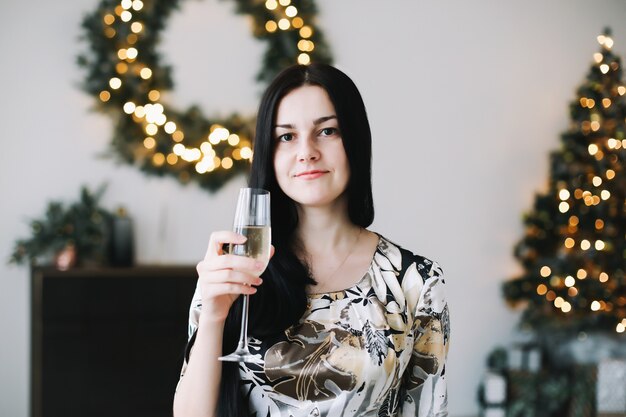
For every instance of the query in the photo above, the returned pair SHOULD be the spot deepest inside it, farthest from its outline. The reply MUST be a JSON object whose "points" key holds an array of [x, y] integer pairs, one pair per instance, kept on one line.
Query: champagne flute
{"points": [[252, 219]]}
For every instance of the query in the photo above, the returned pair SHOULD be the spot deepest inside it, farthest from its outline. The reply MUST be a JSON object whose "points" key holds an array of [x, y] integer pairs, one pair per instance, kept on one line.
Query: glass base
{"points": [[243, 355]]}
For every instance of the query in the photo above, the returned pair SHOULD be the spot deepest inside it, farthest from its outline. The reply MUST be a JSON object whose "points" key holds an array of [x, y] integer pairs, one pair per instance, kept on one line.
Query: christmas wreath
{"points": [[127, 76]]}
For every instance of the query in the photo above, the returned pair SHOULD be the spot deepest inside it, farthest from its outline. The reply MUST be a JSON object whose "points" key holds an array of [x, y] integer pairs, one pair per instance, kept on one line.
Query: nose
{"points": [[307, 151]]}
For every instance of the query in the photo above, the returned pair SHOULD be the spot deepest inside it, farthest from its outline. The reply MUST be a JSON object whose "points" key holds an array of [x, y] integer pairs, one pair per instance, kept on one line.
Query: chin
{"points": [[315, 200]]}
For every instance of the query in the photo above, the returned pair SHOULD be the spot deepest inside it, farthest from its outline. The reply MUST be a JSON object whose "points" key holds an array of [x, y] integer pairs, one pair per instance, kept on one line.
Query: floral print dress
{"points": [[377, 348]]}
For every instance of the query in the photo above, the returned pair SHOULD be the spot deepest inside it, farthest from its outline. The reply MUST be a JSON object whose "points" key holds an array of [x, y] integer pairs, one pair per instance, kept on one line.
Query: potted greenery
{"points": [[77, 234]]}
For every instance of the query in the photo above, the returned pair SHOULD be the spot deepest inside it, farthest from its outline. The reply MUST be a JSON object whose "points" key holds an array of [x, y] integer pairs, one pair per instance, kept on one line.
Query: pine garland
{"points": [[126, 73]]}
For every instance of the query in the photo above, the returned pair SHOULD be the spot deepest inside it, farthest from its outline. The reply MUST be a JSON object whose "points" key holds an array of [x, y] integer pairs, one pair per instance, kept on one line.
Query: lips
{"points": [[309, 175]]}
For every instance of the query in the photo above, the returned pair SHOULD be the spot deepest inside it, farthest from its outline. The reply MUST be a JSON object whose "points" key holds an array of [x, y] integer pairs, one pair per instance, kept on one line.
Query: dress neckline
{"points": [[378, 249]]}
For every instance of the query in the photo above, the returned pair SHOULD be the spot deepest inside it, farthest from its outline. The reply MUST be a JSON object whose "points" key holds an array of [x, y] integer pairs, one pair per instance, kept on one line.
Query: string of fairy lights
{"points": [[132, 88], [595, 194]]}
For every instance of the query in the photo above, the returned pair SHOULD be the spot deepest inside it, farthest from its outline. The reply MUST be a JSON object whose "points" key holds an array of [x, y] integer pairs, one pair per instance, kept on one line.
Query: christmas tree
{"points": [[573, 251]]}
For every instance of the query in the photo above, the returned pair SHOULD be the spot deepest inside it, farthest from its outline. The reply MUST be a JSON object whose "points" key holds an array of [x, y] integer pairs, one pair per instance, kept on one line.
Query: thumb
{"points": [[272, 250]]}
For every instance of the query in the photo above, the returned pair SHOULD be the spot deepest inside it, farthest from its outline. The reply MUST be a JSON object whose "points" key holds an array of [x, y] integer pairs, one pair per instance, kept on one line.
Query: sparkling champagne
{"points": [[252, 219], [258, 244]]}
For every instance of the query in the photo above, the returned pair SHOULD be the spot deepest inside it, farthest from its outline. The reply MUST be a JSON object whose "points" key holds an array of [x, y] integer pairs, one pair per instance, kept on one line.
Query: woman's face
{"points": [[310, 162]]}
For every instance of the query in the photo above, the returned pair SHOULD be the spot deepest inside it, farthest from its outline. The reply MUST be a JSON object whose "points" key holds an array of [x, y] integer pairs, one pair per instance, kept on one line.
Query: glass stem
{"points": [[243, 337]]}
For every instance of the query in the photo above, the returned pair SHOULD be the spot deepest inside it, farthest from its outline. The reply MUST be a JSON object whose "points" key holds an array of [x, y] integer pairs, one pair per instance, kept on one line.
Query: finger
{"points": [[236, 262], [215, 290], [229, 276], [272, 250], [220, 238]]}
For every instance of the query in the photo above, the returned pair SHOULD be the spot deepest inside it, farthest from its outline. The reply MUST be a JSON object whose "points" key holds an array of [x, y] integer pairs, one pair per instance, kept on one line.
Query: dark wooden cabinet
{"points": [[108, 342]]}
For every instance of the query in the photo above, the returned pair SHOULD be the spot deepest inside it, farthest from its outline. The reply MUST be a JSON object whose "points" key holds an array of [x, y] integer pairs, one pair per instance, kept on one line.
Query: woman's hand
{"points": [[223, 277]]}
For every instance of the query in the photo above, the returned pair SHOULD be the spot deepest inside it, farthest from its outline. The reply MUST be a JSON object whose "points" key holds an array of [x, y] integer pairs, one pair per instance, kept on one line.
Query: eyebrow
{"points": [[315, 122]]}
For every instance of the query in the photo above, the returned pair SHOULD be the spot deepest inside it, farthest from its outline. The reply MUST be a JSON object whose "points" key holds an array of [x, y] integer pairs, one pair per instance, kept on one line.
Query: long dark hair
{"points": [[281, 300]]}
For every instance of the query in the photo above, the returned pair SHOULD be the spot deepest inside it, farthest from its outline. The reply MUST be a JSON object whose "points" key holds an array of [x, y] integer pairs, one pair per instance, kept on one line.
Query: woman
{"points": [[348, 323]]}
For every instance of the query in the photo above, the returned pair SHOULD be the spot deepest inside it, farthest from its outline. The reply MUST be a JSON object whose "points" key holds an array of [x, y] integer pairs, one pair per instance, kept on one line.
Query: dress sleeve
{"points": [[194, 318], [424, 391]]}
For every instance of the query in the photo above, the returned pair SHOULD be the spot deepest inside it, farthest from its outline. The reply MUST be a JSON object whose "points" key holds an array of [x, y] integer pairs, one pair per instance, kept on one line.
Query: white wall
{"points": [[465, 99]]}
